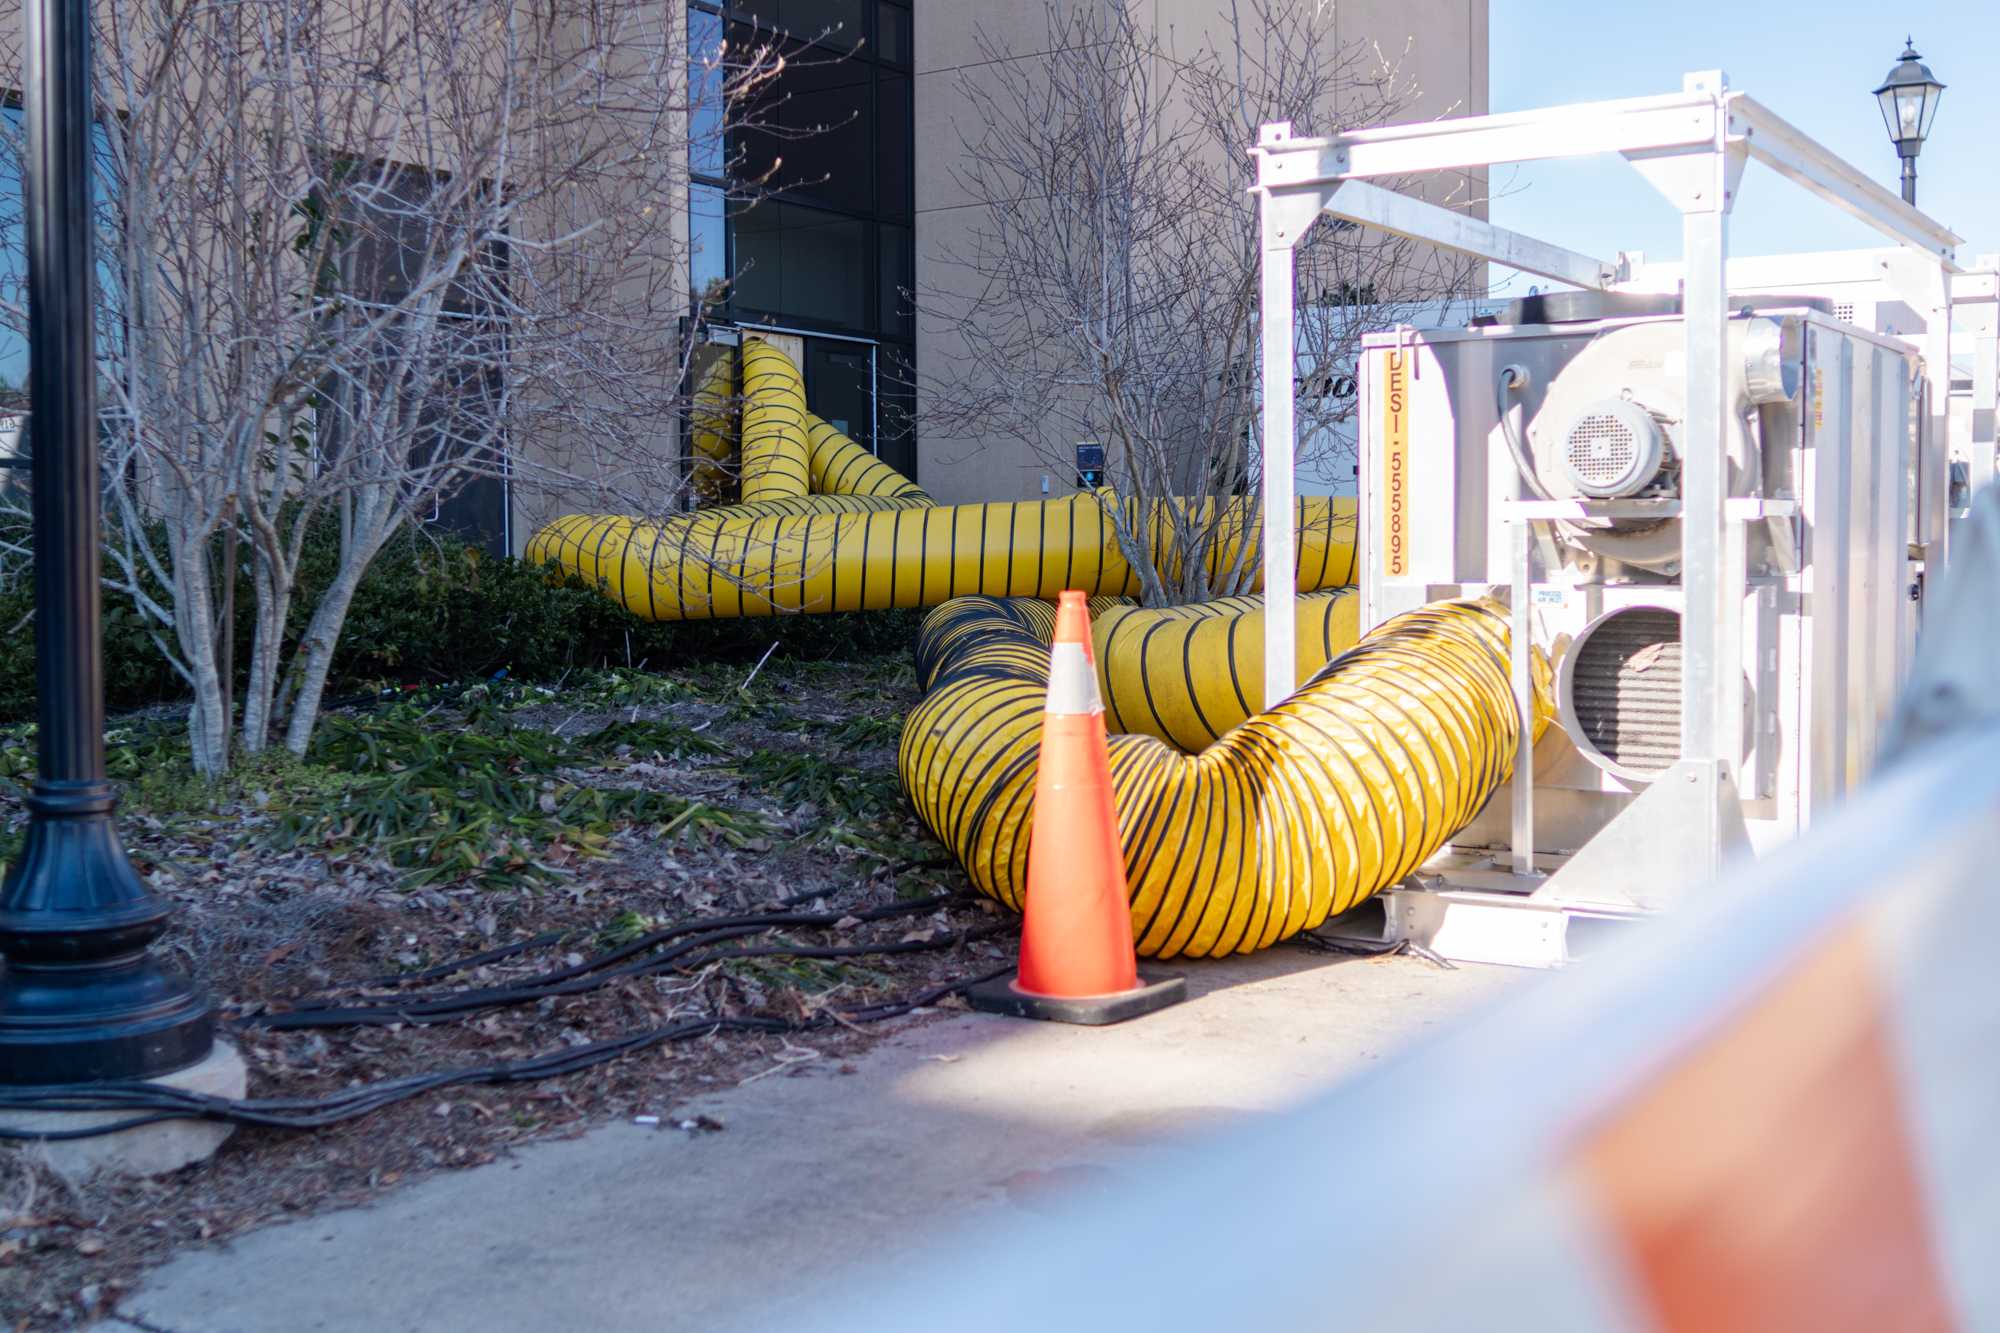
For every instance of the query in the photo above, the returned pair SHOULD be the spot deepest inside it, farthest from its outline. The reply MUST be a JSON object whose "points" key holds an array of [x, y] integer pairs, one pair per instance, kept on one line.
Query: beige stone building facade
{"points": [[872, 208], [865, 151], [1439, 48]]}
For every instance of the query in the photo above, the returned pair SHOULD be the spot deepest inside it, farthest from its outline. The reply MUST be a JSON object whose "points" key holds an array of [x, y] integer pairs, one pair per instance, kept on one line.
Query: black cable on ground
{"points": [[774, 916], [598, 971], [1364, 949], [154, 1103], [682, 957]]}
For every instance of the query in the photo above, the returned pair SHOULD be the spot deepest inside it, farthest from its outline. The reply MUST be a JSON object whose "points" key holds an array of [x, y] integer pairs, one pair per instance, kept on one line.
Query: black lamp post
{"points": [[80, 998], [1909, 99]]}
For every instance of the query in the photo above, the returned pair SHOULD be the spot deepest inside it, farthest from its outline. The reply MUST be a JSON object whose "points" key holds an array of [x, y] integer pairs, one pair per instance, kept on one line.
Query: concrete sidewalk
{"points": [[643, 1229]]}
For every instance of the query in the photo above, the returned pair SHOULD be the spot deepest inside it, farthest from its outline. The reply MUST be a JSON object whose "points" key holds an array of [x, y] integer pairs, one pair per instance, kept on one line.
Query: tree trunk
{"points": [[274, 605], [316, 652], [225, 624], [208, 722]]}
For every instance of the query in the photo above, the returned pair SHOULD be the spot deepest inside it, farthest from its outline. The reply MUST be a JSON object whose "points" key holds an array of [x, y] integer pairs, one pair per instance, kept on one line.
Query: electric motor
{"points": [[1612, 449]]}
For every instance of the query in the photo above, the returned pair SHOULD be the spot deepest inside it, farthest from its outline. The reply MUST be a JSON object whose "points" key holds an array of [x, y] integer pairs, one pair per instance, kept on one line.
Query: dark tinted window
{"points": [[840, 380], [826, 248], [892, 35], [706, 150], [803, 263], [395, 221], [896, 148], [895, 281], [833, 22], [814, 139]]}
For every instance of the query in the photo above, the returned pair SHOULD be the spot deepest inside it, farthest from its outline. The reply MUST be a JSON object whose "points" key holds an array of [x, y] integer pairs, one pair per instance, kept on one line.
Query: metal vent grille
{"points": [[1625, 690], [1844, 311], [1601, 451]]}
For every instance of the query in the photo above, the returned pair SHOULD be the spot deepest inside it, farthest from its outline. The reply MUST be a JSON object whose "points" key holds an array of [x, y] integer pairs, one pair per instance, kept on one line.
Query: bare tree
{"points": [[1109, 293], [360, 252]]}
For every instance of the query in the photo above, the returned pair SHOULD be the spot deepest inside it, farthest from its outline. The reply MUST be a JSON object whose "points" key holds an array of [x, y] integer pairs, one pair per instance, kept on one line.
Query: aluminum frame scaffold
{"points": [[1692, 146]]}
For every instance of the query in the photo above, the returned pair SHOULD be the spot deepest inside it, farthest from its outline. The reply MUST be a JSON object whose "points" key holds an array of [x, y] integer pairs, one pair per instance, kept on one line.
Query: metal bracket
{"points": [[1289, 213], [1401, 215], [1645, 859]]}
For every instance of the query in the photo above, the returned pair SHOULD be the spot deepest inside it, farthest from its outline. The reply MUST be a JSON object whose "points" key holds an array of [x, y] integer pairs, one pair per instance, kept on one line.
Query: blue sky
{"points": [[1814, 62]]}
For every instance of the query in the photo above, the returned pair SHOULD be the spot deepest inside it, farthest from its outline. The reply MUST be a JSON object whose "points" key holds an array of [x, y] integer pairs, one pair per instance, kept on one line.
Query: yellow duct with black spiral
{"points": [[1299, 813], [1241, 825], [1189, 674], [825, 526], [713, 419]]}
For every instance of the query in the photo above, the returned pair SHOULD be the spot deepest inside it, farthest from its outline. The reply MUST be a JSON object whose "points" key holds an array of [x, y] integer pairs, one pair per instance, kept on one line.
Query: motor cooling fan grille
{"points": [[1625, 689], [1601, 451]]}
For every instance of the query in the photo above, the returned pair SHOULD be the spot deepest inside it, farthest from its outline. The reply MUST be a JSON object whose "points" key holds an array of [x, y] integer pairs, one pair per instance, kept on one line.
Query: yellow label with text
{"points": [[1395, 463]]}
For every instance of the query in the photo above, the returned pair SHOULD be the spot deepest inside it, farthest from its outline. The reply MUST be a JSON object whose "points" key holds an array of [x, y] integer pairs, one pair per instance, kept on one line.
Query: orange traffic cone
{"points": [[1077, 963]]}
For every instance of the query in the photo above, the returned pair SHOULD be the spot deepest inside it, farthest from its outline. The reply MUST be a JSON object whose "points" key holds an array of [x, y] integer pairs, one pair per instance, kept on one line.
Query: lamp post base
{"points": [[81, 998], [148, 1150]]}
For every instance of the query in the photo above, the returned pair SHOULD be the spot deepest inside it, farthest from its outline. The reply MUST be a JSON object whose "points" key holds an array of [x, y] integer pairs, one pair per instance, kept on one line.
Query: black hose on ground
{"points": [[154, 1104]]}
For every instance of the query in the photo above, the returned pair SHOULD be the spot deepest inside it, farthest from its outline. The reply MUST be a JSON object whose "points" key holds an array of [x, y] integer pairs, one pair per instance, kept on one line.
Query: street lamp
{"points": [[81, 999], [1909, 99]]}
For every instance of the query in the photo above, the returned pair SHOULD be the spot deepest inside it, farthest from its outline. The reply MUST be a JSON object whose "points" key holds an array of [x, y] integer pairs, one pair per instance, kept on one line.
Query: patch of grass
{"points": [[474, 798], [801, 776], [626, 927], [482, 800], [863, 730], [149, 762], [864, 841], [624, 689], [812, 976], [446, 784]]}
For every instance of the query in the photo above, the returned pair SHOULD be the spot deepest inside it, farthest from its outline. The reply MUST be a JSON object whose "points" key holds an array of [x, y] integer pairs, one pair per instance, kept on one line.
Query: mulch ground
{"points": [[269, 930]]}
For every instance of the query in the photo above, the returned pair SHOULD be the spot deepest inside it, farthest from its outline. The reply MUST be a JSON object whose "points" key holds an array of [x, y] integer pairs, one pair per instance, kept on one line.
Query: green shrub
{"points": [[434, 609]]}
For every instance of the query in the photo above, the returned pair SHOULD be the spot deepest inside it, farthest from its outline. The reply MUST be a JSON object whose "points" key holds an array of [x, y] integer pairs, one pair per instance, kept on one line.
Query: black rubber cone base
{"points": [[1156, 990]]}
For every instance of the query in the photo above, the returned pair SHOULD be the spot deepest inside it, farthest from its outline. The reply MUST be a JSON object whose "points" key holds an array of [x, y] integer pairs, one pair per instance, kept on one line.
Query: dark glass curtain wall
{"points": [[828, 248]]}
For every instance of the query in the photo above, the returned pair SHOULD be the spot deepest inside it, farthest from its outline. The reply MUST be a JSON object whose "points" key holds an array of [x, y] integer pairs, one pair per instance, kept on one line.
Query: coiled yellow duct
{"points": [[1298, 814], [835, 465], [1188, 674]]}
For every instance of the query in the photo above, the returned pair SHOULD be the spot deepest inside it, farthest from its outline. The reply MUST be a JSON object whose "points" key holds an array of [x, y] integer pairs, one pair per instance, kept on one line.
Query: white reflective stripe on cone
{"points": [[1072, 682]]}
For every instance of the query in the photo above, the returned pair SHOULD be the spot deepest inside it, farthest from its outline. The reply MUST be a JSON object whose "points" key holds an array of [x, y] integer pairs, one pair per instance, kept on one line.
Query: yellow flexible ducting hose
{"points": [[824, 553], [825, 526], [1188, 674], [774, 425], [835, 464], [839, 466], [713, 420], [1298, 814]]}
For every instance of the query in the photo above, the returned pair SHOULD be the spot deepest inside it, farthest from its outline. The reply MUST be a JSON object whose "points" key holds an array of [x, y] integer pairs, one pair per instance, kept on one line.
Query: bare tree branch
{"points": [[358, 253], [1109, 292]]}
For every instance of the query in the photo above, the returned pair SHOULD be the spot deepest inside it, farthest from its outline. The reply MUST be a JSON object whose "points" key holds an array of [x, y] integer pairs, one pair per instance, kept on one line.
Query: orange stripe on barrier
{"points": [[1767, 1182]]}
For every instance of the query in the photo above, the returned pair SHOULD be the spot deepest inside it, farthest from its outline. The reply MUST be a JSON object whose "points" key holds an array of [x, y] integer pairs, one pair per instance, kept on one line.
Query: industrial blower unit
{"points": [[1540, 452]]}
